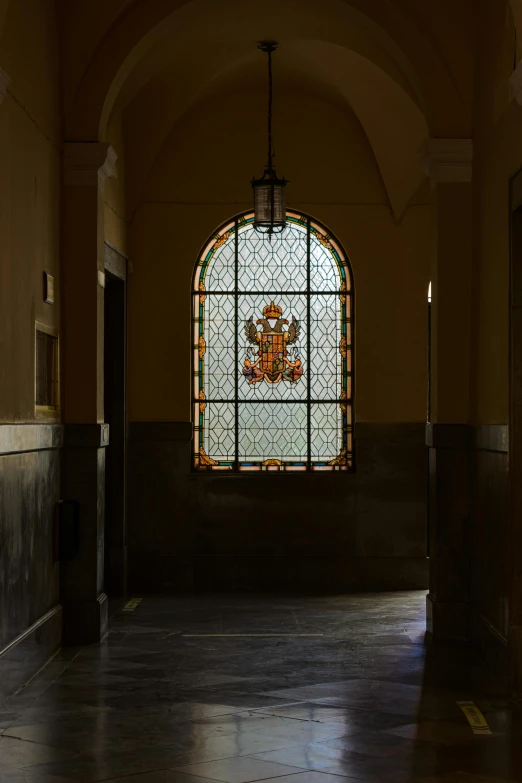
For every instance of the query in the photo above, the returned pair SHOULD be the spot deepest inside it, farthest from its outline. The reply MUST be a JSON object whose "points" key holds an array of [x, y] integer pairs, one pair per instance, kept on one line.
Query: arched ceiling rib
{"points": [[394, 64], [142, 24], [231, 34], [516, 9], [391, 119]]}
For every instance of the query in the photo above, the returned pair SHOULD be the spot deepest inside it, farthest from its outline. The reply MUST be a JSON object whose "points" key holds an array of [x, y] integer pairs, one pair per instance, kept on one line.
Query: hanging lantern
{"points": [[269, 191]]}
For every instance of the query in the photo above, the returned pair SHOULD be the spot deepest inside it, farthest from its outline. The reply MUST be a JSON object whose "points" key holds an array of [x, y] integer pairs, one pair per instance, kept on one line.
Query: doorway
{"points": [[513, 544], [115, 566]]}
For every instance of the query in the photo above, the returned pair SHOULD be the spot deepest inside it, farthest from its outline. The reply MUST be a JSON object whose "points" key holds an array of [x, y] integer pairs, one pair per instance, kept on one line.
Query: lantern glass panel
{"points": [[270, 204]]}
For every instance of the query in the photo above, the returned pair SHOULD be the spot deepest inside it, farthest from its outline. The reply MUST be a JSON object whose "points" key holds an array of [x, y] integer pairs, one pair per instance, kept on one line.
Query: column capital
{"points": [[515, 82], [5, 81], [447, 160], [88, 163]]}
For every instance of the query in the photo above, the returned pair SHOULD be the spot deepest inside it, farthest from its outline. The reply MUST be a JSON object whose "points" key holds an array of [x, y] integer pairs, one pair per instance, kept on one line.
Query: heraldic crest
{"points": [[272, 361]]}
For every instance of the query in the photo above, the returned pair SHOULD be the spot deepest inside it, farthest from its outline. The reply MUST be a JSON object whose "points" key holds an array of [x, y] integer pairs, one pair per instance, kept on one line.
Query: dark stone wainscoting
{"points": [[85, 603], [30, 614], [308, 532], [489, 534], [470, 538]]}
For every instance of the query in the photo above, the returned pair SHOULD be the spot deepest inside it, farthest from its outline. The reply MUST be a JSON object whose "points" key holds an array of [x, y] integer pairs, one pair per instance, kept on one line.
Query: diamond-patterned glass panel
{"points": [[277, 265], [272, 350], [324, 272], [326, 430], [325, 347], [219, 355], [273, 431], [219, 431], [221, 272]]}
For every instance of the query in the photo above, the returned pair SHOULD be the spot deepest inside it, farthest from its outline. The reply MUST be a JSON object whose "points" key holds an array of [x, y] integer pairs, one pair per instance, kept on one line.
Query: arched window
{"points": [[273, 366]]}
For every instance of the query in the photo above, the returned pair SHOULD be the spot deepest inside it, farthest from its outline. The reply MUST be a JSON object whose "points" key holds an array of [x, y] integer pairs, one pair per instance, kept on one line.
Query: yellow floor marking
{"points": [[263, 635], [131, 605], [475, 718]]}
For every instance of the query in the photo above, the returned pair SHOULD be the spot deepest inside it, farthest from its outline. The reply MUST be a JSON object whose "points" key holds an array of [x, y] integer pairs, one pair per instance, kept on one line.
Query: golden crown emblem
{"points": [[272, 311]]}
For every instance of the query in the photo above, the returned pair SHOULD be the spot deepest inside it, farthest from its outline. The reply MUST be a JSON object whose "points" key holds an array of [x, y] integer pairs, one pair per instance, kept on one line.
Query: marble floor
{"points": [[243, 689]]}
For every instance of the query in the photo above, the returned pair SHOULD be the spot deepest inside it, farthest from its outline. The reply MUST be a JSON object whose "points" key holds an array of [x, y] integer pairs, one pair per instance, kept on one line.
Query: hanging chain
{"points": [[269, 47], [269, 109]]}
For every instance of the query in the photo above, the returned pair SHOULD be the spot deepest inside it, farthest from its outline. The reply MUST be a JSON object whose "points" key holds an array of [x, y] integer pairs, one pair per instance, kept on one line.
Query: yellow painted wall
{"points": [[29, 196], [202, 177], [498, 155]]}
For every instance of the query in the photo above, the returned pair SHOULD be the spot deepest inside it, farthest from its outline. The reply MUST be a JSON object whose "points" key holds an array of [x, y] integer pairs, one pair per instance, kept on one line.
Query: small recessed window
{"points": [[46, 371]]}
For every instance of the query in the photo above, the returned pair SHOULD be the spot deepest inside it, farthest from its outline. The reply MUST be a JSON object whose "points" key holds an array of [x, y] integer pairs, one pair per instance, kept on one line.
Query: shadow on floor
{"points": [[243, 688]]}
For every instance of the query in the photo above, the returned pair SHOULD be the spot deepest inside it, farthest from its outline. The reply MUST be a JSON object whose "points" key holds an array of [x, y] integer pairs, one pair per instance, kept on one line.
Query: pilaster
{"points": [[447, 160], [86, 167], [448, 163], [515, 440]]}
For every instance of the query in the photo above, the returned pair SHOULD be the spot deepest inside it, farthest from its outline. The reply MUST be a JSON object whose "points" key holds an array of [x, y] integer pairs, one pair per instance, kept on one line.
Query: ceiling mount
{"points": [[267, 46]]}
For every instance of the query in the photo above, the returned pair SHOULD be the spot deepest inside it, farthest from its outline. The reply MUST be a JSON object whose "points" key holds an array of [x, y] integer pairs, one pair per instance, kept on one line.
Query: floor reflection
{"points": [[368, 700]]}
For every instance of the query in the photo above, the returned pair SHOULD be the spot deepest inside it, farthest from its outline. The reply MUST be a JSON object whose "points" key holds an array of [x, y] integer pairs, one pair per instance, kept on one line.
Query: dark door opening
{"points": [[115, 457], [428, 417], [506, 546]]}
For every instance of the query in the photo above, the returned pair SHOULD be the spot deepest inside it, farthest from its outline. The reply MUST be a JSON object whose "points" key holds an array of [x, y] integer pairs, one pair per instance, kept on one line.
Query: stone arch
{"points": [[143, 26]]}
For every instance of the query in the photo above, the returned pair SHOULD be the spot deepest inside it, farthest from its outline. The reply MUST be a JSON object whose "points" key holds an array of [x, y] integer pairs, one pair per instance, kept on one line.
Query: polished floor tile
{"points": [[276, 726], [16, 753], [440, 732], [161, 701], [465, 777], [314, 777], [27, 776], [314, 756], [238, 770]]}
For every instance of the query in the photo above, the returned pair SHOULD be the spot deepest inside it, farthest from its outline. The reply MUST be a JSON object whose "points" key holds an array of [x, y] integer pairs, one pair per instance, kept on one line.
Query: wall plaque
{"points": [[48, 288]]}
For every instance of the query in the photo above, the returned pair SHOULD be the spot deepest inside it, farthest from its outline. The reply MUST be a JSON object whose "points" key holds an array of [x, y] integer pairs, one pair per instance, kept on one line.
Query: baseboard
{"points": [[303, 575], [29, 651]]}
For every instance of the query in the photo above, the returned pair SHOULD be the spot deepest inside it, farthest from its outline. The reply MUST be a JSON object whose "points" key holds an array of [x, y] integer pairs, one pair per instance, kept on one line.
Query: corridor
{"points": [[245, 688]]}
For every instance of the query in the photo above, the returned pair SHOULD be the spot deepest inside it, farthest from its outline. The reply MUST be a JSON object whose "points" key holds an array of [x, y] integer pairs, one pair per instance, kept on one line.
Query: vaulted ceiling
{"points": [[403, 67]]}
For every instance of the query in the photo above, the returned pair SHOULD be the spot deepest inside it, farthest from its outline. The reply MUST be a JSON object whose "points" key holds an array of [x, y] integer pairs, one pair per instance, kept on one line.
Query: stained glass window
{"points": [[272, 333]]}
